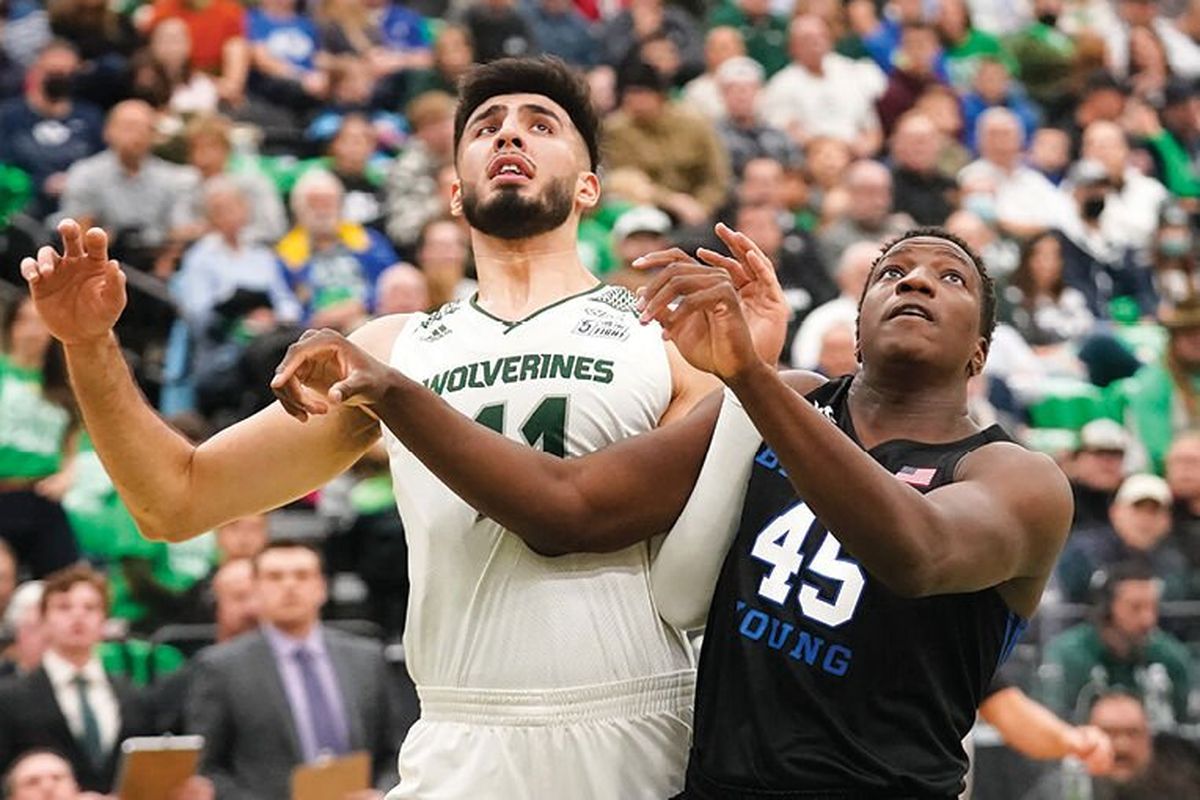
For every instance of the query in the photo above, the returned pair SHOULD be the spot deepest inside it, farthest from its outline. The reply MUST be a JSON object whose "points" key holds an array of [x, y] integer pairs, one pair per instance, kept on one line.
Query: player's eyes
{"points": [[891, 272], [542, 127], [954, 277], [484, 130]]}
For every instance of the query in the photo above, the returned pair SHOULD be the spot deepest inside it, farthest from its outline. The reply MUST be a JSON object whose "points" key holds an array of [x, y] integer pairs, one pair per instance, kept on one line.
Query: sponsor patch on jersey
{"points": [[432, 333], [602, 329]]}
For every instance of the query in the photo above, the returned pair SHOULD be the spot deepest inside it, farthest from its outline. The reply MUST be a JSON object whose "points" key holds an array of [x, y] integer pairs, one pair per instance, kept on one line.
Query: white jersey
{"points": [[485, 611]]}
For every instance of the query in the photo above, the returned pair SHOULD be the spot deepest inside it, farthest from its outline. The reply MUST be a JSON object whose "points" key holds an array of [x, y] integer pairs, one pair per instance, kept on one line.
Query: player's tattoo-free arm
{"points": [[603, 501], [1005, 517]]}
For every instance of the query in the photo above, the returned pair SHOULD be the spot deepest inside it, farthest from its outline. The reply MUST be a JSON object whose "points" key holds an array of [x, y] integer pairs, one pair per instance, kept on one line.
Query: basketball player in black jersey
{"points": [[883, 553]]}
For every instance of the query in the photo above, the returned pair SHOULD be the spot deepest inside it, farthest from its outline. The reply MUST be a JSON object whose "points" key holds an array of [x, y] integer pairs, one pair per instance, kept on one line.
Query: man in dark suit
{"points": [[280, 697], [69, 704]]}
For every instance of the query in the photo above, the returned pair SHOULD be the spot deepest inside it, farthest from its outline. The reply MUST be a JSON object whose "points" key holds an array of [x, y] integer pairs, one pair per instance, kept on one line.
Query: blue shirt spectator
{"points": [[561, 30], [287, 36], [403, 29], [46, 131], [993, 87]]}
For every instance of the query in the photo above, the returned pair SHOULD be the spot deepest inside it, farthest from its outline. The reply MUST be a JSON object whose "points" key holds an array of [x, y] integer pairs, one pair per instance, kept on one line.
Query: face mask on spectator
{"points": [[56, 86], [1175, 246], [1049, 19], [1093, 207], [981, 205]]}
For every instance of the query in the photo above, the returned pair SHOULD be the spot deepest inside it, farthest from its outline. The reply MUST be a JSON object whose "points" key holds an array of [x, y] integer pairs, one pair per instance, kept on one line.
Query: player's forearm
{"points": [[147, 460], [1027, 726], [884, 524]]}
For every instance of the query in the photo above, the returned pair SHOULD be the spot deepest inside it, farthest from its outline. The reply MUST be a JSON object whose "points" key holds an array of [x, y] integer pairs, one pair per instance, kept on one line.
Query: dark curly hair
{"points": [[987, 285], [544, 75]]}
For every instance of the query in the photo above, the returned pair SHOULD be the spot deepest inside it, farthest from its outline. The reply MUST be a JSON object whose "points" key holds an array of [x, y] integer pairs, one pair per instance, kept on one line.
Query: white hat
{"points": [[641, 219], [740, 69], [1103, 434], [1137, 488]]}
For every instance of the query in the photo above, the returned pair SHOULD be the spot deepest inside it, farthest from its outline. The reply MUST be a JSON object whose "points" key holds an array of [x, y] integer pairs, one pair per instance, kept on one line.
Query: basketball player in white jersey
{"points": [[539, 677]]}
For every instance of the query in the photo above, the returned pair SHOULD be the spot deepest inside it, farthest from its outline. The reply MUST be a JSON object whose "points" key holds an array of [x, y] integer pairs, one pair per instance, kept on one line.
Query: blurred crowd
{"points": [[275, 165]]}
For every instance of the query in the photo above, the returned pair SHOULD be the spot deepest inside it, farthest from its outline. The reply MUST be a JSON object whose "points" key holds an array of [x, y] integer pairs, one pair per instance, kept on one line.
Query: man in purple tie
{"points": [[292, 692]]}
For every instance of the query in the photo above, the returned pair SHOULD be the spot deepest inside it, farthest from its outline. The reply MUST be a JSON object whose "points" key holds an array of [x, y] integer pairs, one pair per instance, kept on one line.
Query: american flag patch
{"points": [[916, 476]]}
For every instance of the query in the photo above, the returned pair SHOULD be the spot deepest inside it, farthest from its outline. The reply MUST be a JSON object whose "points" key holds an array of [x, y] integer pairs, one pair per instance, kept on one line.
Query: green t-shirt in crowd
{"points": [[33, 430], [1084, 660], [139, 661], [766, 38], [962, 60]]}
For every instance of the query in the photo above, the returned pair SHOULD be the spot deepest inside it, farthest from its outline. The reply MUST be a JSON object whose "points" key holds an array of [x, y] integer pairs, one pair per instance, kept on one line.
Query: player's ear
{"points": [[587, 190], [456, 198], [978, 358]]}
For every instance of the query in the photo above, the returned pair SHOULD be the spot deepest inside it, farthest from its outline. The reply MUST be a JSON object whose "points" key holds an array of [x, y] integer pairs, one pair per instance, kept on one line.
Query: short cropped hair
{"points": [[544, 75]]}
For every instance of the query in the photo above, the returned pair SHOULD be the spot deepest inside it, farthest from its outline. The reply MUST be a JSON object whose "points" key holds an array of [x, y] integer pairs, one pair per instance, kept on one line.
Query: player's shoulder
{"points": [[802, 381], [378, 336], [611, 297]]}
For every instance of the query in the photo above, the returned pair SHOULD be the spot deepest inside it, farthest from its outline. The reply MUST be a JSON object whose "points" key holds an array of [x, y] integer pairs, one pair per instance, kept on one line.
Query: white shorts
{"points": [[613, 741]]}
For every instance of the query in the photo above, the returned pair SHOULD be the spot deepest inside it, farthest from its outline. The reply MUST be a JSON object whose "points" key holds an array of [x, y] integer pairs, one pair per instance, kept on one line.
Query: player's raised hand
{"points": [[699, 310], [753, 275], [324, 368], [80, 292]]}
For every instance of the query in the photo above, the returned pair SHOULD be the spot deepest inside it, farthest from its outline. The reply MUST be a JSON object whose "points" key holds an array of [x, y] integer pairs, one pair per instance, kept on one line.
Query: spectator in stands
{"points": [[1183, 476], [1149, 70], [1000, 254], [921, 189], [23, 623], [623, 33], [1163, 398], [1038, 303], [244, 537], [916, 63], [1025, 202], [38, 430], [442, 253], [1050, 153], [638, 232], [412, 196], [1044, 56], [993, 87], [125, 189], [823, 93], [284, 54], [227, 259], [453, 55], [401, 289], [869, 211], [96, 29], [404, 35], [561, 30], [1175, 139], [941, 104], [331, 264], [47, 129], [70, 703], [1134, 201], [210, 154], [162, 74], [967, 48], [498, 30], [1122, 648], [702, 93], [1144, 767], [1097, 470], [42, 774], [1138, 522], [764, 32], [334, 688], [218, 33], [1174, 258], [852, 270], [352, 152], [742, 131], [235, 602], [678, 150], [838, 354], [1183, 54]]}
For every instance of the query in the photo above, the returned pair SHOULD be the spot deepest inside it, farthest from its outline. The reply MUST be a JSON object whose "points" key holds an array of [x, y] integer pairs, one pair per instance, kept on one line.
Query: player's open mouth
{"points": [[910, 310], [510, 168]]}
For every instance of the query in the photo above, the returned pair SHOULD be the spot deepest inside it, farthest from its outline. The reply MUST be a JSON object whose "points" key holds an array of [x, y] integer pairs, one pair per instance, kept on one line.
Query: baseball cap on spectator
{"points": [[740, 69], [1138, 488], [641, 219], [1103, 435]]}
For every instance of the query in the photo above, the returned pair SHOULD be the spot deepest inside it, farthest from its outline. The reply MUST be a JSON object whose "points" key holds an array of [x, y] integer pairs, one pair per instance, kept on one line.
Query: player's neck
{"points": [[893, 404], [520, 276]]}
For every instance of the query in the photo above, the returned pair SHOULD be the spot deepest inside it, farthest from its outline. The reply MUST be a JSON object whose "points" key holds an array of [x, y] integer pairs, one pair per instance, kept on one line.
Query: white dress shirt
{"points": [[100, 694], [839, 103]]}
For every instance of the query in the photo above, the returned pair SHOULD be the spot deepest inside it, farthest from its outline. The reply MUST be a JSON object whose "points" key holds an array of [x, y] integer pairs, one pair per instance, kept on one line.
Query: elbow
{"points": [[911, 576], [164, 529]]}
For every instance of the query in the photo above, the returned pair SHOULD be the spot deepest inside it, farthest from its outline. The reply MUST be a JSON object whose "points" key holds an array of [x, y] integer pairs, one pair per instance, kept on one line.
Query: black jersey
{"points": [[815, 681]]}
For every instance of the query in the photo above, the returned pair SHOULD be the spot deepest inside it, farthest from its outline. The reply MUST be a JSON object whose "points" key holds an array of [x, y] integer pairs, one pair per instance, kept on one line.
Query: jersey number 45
{"points": [[779, 545]]}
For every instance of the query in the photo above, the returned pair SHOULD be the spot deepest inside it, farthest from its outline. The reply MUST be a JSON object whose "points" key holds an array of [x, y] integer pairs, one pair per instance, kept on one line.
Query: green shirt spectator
{"points": [[1044, 57], [33, 428], [1123, 649], [765, 34], [138, 661], [16, 190]]}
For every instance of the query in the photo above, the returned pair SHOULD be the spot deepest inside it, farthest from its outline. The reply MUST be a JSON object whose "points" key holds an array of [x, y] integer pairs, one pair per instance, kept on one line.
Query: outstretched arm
{"points": [[602, 501], [1002, 522], [1034, 731], [173, 489]]}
